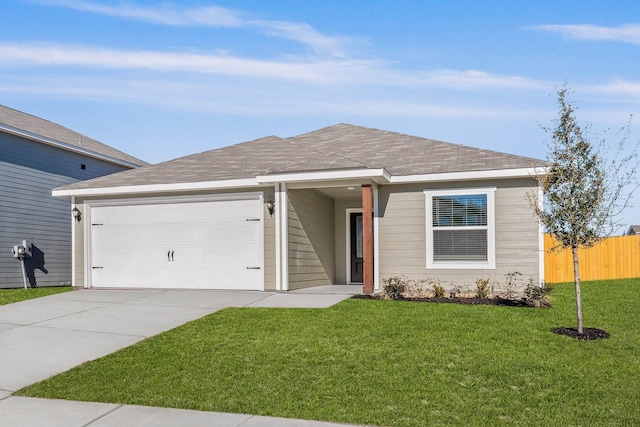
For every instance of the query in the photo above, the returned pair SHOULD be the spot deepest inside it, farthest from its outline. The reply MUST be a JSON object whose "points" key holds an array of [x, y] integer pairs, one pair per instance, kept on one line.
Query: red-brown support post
{"points": [[367, 238]]}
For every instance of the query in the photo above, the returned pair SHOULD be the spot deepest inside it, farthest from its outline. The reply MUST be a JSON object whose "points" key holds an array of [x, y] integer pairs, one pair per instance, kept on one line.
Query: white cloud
{"points": [[306, 34], [333, 73], [619, 87], [629, 33], [206, 96], [86, 56], [210, 16], [475, 79], [215, 16]]}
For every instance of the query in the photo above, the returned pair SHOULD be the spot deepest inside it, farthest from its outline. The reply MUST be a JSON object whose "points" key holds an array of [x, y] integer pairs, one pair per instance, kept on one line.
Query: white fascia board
{"points": [[378, 175], [65, 146], [157, 188], [470, 175]]}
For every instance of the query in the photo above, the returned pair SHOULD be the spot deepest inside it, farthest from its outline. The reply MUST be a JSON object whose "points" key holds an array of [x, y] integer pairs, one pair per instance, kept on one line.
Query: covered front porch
{"points": [[322, 237]]}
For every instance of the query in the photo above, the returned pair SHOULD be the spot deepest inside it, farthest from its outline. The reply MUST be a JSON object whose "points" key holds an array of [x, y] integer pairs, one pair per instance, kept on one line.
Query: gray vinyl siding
{"points": [[311, 239], [269, 231], [402, 234], [28, 172]]}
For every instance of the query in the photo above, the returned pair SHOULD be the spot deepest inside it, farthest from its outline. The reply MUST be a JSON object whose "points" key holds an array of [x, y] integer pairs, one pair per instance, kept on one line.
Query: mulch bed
{"points": [[588, 333], [460, 300]]}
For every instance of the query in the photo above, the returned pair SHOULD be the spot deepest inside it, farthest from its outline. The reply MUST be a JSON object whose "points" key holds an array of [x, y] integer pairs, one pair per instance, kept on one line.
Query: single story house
{"points": [[340, 205], [37, 156]]}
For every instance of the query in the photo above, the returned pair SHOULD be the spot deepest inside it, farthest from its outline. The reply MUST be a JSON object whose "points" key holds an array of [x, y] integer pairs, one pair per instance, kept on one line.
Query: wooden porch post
{"points": [[367, 238]]}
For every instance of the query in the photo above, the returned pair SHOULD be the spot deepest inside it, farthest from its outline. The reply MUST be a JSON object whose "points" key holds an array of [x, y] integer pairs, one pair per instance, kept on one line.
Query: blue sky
{"points": [[165, 79]]}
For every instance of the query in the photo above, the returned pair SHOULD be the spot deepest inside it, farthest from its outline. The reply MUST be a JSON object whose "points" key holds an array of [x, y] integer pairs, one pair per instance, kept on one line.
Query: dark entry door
{"points": [[357, 256]]}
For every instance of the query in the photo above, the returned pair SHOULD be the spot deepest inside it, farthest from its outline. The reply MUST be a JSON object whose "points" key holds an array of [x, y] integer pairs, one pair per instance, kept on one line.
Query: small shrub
{"points": [[536, 295], [482, 288], [438, 289], [395, 286], [512, 279], [416, 289]]}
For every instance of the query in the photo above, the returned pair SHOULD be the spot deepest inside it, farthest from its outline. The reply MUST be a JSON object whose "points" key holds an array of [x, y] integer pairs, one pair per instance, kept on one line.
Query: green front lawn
{"points": [[387, 363], [9, 296]]}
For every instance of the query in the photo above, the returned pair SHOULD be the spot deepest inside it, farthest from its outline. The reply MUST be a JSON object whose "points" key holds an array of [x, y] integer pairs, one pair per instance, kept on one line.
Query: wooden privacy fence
{"points": [[612, 258]]}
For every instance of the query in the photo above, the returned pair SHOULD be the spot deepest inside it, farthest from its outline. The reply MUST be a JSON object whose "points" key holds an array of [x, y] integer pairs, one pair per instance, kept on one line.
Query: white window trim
{"points": [[490, 264]]}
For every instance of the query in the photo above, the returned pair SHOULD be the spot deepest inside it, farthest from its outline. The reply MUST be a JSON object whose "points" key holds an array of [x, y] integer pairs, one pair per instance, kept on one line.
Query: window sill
{"points": [[460, 265]]}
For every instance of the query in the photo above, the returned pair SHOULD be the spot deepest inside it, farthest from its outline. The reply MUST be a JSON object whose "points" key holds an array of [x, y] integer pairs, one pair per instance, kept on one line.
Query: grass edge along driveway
{"points": [[387, 363], [10, 296]]}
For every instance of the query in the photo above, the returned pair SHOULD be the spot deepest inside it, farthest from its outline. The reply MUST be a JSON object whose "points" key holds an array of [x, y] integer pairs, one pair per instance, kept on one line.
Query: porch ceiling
{"points": [[348, 192]]}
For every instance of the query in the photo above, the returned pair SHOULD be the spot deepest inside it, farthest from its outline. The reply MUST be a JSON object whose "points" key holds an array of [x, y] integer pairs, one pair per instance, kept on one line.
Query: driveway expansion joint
{"points": [[91, 331], [67, 314], [111, 411], [253, 302]]}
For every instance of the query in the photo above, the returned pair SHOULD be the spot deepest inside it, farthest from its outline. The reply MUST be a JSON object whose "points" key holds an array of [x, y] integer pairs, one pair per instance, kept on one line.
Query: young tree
{"points": [[584, 189]]}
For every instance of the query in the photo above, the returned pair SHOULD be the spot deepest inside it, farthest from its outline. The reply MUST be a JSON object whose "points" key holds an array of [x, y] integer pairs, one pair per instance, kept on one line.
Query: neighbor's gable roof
{"points": [[634, 229], [34, 128], [334, 148]]}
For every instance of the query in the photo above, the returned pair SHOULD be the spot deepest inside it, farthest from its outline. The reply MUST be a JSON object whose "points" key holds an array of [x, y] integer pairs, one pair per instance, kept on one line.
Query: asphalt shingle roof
{"points": [[342, 146], [36, 126]]}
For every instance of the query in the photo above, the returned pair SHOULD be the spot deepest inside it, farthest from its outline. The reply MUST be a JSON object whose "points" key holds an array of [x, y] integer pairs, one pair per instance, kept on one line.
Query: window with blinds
{"points": [[460, 227]]}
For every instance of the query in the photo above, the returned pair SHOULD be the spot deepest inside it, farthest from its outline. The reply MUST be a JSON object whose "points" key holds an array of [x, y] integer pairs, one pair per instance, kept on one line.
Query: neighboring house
{"points": [[37, 156], [633, 230], [286, 213]]}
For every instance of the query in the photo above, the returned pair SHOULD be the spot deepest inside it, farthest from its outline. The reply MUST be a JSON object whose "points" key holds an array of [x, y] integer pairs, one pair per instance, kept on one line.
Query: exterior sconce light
{"points": [[271, 206], [76, 214]]}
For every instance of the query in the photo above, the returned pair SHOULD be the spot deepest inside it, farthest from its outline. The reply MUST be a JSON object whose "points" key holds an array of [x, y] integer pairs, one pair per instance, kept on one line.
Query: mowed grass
{"points": [[388, 363], [9, 296]]}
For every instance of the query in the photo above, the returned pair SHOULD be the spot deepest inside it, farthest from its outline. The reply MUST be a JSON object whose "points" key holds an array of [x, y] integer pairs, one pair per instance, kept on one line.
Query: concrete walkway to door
{"points": [[45, 336]]}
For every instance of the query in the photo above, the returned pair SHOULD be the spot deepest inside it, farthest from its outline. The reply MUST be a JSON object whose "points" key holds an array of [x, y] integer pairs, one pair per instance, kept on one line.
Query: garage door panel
{"points": [[207, 245]]}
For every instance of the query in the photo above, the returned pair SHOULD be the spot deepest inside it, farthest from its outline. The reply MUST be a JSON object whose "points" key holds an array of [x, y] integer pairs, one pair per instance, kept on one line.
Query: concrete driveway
{"points": [[45, 336]]}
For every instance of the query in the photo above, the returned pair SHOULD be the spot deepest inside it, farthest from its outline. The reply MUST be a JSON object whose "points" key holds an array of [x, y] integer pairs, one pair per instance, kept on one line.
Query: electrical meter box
{"points": [[22, 251]]}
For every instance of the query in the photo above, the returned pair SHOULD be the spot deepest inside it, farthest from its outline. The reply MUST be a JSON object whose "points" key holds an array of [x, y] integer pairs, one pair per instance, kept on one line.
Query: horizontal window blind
{"points": [[460, 211], [462, 244]]}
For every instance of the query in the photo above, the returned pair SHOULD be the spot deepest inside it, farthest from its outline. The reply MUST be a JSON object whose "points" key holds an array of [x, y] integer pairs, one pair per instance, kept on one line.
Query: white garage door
{"points": [[193, 245]]}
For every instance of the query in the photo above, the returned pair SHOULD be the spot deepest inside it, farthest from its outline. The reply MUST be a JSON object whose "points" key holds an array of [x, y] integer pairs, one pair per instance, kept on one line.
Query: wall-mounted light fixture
{"points": [[271, 206], [76, 214]]}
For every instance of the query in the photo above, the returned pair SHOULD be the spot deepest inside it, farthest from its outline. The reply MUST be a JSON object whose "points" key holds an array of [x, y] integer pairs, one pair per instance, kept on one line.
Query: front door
{"points": [[357, 255]]}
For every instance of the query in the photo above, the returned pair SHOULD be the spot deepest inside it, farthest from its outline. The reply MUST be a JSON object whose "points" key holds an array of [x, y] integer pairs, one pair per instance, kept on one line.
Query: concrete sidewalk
{"points": [[33, 412], [45, 336]]}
